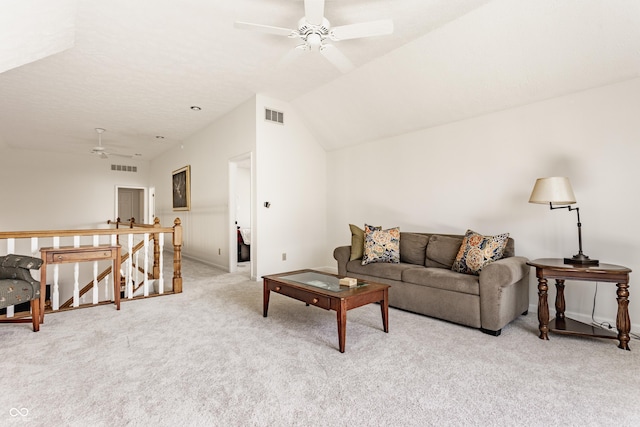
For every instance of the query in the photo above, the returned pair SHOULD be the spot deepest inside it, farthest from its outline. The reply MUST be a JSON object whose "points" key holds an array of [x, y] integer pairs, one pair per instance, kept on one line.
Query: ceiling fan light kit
{"points": [[314, 30]]}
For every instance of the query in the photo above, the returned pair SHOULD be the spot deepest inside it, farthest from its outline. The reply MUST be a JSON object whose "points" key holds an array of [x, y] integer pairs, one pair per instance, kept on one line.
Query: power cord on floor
{"points": [[605, 325]]}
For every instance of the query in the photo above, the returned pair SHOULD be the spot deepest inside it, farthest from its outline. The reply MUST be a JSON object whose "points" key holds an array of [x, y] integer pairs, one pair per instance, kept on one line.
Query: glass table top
{"points": [[320, 280]]}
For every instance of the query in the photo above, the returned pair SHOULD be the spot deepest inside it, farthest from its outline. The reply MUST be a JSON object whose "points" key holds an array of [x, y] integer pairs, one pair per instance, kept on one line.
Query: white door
{"points": [[130, 204]]}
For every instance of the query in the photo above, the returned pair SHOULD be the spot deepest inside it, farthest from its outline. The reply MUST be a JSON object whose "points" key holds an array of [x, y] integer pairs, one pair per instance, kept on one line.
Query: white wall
{"points": [[41, 190], [478, 174], [290, 174], [292, 177], [206, 225]]}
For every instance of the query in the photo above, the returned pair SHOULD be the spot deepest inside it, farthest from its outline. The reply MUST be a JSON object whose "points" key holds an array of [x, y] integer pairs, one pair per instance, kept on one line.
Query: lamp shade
{"points": [[556, 189]]}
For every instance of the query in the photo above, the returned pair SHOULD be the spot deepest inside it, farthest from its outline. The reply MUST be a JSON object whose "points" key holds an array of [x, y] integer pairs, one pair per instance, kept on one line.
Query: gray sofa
{"points": [[424, 283]]}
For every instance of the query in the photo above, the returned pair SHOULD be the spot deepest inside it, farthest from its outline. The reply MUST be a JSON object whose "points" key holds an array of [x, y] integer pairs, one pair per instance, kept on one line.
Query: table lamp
{"points": [[558, 190]]}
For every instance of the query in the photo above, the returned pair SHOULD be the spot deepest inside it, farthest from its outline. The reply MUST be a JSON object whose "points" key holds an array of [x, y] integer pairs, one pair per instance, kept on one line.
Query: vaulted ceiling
{"points": [[135, 68]]}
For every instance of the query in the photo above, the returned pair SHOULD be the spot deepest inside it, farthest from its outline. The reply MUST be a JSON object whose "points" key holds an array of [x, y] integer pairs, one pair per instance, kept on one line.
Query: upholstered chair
{"points": [[17, 286]]}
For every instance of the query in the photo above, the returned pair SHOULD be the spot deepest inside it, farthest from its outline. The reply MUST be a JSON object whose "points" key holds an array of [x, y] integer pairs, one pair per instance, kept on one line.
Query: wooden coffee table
{"points": [[322, 290]]}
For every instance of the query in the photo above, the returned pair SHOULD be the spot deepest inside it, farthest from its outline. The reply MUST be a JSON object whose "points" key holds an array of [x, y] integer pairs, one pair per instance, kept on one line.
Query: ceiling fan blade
{"points": [[337, 58], [314, 11], [279, 31], [128, 156], [363, 29]]}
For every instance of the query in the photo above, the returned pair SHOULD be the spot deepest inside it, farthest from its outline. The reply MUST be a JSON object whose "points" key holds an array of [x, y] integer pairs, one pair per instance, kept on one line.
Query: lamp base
{"points": [[581, 259]]}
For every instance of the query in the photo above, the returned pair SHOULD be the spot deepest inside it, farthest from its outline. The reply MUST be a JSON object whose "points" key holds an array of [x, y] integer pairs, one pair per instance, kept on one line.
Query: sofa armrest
{"points": [[504, 291], [504, 272], [342, 254]]}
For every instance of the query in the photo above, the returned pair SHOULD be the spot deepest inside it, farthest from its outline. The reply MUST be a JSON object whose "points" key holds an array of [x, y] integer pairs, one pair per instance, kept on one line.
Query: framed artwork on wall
{"points": [[181, 185]]}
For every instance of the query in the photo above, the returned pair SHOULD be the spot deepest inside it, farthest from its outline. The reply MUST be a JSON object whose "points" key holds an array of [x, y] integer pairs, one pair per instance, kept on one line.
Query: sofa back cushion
{"points": [[510, 249], [413, 248], [442, 250]]}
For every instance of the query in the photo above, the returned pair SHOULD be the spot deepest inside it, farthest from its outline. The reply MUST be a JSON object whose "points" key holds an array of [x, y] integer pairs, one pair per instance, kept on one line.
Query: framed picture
{"points": [[181, 185]]}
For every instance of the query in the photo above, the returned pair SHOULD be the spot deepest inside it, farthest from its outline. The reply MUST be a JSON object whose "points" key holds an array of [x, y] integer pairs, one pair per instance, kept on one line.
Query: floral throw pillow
{"points": [[476, 251], [381, 245]]}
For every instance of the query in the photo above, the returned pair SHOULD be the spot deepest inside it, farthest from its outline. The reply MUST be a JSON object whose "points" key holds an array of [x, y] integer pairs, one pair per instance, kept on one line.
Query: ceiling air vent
{"points": [[124, 168], [273, 116]]}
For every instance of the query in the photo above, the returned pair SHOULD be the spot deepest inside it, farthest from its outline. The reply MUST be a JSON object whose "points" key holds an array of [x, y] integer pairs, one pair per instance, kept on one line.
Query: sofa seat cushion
{"points": [[442, 278], [384, 270]]}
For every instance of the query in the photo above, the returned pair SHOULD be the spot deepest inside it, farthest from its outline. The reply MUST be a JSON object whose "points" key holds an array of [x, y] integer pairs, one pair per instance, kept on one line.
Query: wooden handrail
{"points": [[79, 232]]}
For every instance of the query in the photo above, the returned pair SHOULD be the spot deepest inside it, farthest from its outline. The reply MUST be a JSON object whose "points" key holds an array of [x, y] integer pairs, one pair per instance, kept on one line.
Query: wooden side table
{"points": [[69, 254], [555, 268]]}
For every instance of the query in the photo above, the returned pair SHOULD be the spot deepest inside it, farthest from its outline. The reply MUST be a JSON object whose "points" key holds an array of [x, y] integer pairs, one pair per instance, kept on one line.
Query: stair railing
{"points": [[137, 274]]}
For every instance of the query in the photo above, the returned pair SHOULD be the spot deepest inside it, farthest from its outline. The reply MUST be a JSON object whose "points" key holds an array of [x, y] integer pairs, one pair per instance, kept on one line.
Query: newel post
{"points": [[156, 250], [177, 256]]}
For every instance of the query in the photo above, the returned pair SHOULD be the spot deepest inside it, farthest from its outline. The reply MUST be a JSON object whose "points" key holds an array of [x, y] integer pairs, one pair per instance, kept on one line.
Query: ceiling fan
{"points": [[314, 30], [101, 150]]}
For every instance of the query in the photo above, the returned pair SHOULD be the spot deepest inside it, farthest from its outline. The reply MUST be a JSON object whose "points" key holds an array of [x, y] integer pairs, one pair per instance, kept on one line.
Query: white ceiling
{"points": [[136, 67]]}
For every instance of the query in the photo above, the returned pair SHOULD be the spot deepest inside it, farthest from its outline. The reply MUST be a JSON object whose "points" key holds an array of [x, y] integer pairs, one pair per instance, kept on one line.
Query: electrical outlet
{"points": [[284, 256]]}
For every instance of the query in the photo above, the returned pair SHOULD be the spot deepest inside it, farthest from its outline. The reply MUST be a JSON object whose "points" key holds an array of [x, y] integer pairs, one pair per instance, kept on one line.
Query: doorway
{"points": [[130, 203], [241, 223]]}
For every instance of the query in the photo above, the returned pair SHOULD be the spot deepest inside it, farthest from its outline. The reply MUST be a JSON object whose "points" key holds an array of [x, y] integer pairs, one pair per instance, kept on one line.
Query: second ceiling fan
{"points": [[101, 151], [314, 30]]}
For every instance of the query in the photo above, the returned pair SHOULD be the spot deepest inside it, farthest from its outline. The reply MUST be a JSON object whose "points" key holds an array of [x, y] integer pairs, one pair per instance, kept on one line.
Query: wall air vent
{"points": [[124, 168], [273, 116]]}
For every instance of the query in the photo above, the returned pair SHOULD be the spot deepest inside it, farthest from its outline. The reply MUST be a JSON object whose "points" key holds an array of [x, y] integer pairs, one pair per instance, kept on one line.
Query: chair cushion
{"points": [[14, 291]]}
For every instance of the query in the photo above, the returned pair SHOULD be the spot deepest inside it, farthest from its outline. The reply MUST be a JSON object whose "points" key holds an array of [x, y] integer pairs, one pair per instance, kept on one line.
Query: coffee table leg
{"points": [[342, 325], [623, 322], [265, 298], [384, 307]]}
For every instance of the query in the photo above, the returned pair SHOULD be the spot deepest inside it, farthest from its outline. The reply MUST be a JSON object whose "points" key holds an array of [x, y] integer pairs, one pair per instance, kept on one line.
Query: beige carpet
{"points": [[207, 357]]}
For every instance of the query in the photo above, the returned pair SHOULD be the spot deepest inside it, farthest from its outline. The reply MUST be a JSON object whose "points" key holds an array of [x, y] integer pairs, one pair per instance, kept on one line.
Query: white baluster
{"points": [[76, 285], [34, 246], [146, 264], [114, 241], [95, 283], [107, 290], [136, 270], [11, 247], [130, 266], [34, 252], [76, 275], [161, 278], [96, 299], [55, 295]]}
